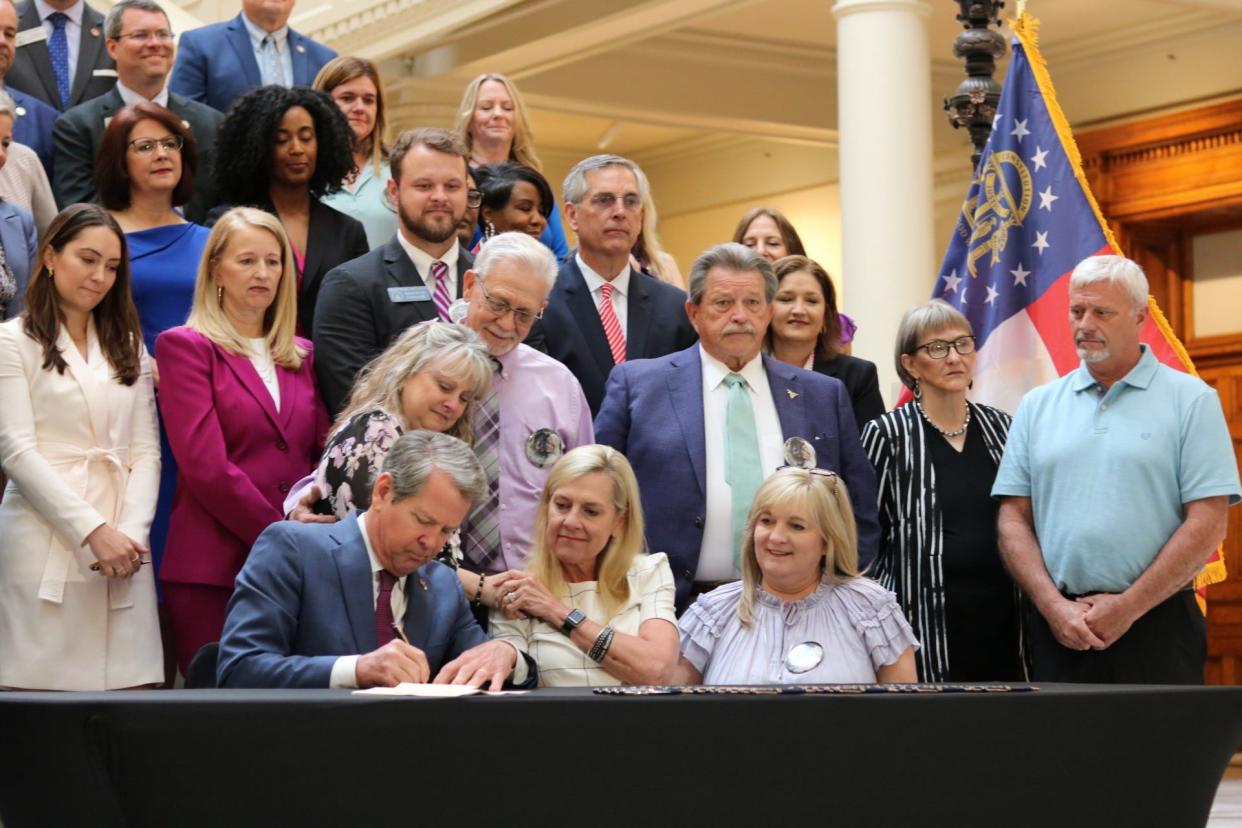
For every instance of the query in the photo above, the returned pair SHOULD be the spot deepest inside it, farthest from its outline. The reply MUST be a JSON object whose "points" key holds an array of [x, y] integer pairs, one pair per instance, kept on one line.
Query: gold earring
{"points": [[220, 294]]}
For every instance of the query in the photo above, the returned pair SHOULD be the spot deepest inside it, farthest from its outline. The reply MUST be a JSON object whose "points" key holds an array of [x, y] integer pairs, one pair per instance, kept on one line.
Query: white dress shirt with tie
{"points": [[423, 262], [620, 291]]}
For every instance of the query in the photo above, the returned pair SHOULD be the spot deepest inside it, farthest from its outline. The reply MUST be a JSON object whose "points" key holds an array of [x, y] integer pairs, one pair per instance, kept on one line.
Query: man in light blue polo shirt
{"points": [[1114, 490]]}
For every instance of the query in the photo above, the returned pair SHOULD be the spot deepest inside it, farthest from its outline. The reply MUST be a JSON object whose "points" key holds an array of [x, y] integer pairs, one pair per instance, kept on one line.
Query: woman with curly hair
{"points": [[354, 83], [282, 150]]}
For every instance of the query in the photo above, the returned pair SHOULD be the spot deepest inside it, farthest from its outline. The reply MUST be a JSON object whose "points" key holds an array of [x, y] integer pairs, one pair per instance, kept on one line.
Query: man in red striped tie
{"points": [[602, 311]]}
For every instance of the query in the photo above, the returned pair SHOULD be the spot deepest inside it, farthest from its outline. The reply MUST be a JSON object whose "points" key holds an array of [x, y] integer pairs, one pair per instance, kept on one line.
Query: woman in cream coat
{"points": [[79, 444]]}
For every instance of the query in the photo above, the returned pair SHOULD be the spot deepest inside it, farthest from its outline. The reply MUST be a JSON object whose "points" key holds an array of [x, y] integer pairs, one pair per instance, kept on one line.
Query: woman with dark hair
{"points": [[766, 231], [806, 332], [145, 170], [78, 442], [515, 197], [354, 84], [282, 150]]}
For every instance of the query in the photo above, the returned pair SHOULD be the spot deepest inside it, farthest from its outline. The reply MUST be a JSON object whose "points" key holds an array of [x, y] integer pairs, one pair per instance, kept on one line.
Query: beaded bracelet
{"points": [[478, 593], [600, 648]]}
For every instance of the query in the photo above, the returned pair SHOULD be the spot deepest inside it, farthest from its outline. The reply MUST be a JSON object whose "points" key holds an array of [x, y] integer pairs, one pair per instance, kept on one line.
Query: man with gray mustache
{"points": [[1115, 487], [702, 427]]}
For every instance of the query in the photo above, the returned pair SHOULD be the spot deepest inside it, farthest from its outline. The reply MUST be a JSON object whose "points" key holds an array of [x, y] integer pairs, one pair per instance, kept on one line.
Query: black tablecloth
{"points": [[1061, 756]]}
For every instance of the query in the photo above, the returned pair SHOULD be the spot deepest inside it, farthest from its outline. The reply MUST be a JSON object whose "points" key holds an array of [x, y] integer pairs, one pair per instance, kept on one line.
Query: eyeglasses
{"points": [[939, 349], [474, 198], [818, 472], [500, 307], [604, 201], [143, 36], [146, 146]]}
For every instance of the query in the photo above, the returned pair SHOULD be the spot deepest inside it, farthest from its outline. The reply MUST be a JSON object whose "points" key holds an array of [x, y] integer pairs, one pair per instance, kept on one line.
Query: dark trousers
{"points": [[1168, 645]]}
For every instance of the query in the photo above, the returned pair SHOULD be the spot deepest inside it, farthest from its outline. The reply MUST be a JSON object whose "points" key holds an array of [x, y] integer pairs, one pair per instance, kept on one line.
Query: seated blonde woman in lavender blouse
{"points": [[801, 613]]}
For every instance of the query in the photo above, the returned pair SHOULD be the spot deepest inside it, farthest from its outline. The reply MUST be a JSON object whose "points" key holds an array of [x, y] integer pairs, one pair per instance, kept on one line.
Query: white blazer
{"points": [[79, 449]]}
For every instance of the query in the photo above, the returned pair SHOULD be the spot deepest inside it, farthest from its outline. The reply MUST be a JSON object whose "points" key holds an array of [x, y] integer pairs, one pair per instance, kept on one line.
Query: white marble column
{"points": [[884, 118]]}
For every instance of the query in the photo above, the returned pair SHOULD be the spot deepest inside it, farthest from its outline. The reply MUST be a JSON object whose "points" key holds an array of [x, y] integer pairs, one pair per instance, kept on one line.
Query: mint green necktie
{"points": [[743, 469]]}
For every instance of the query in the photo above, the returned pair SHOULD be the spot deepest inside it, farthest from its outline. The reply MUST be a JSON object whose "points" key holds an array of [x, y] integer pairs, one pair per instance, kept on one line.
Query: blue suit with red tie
{"points": [[305, 598]]}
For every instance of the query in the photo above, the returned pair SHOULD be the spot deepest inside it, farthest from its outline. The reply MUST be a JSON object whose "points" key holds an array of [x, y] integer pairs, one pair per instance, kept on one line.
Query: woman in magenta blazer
{"points": [[243, 416]]}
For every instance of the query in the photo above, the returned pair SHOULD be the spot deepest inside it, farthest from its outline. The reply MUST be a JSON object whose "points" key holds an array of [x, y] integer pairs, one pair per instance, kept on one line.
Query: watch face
{"points": [[575, 617]]}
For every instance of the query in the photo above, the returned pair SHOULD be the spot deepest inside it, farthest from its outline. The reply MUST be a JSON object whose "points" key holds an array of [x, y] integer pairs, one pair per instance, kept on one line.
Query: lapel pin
{"points": [[422, 582], [301, 49], [793, 395], [95, 31], [185, 124], [21, 111]]}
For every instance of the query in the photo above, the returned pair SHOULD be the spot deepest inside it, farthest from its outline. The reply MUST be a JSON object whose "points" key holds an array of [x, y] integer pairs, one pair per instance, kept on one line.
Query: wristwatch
{"points": [[575, 617]]}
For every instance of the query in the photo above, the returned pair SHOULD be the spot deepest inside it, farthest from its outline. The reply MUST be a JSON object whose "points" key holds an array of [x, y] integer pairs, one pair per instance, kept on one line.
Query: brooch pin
{"points": [[793, 395]]}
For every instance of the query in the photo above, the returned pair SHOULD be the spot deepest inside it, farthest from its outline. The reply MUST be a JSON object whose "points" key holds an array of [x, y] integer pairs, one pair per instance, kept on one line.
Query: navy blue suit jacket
{"points": [[33, 126], [653, 413], [304, 598], [20, 240], [570, 330], [216, 66]]}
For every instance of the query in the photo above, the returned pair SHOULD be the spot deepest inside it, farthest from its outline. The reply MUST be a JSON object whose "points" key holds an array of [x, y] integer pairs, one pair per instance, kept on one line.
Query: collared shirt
{"points": [[366, 199], [281, 39], [130, 97], [533, 391], [73, 31], [343, 669], [1108, 472], [423, 261], [716, 553], [620, 291]]}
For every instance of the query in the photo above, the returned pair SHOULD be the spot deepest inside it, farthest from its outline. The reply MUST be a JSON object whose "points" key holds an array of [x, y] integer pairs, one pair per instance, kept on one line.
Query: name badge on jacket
{"points": [[403, 295]]}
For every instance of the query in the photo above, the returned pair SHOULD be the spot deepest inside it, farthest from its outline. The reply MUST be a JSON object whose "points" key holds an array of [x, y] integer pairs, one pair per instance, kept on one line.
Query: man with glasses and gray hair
{"points": [[362, 603], [1115, 488], [602, 311], [704, 426], [141, 41]]}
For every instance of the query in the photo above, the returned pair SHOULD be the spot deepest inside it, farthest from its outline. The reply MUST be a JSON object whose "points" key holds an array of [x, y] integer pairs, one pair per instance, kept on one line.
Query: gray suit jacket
{"points": [[79, 131], [31, 71]]}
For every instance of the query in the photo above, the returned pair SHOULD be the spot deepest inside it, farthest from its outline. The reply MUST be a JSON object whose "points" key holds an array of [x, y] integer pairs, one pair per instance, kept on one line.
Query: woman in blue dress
{"points": [[145, 170]]}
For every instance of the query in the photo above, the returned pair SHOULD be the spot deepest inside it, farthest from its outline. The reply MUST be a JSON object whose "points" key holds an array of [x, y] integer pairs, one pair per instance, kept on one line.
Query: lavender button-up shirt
{"points": [[534, 391]]}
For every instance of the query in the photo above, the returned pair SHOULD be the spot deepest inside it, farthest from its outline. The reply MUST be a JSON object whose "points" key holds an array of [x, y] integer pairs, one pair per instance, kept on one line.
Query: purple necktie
{"points": [[440, 294], [383, 609]]}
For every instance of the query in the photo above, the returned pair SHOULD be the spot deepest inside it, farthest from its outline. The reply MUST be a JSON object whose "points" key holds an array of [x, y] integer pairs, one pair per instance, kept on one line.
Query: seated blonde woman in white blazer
{"points": [[79, 444]]}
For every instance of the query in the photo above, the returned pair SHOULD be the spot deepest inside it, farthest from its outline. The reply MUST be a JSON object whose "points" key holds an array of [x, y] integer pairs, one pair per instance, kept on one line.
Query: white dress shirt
{"points": [[130, 97], [620, 291], [343, 670], [716, 554], [423, 261], [73, 31]]}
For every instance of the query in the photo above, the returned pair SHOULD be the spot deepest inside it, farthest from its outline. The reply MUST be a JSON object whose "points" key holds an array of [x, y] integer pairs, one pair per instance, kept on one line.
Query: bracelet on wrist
{"points": [[600, 648], [478, 593]]}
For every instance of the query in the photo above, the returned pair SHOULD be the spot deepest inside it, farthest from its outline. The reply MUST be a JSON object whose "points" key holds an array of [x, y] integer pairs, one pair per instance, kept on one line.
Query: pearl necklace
{"points": [[949, 434]]}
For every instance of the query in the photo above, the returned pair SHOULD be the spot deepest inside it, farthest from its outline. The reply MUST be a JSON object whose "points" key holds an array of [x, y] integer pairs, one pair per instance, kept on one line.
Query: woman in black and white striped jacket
{"points": [[935, 461]]}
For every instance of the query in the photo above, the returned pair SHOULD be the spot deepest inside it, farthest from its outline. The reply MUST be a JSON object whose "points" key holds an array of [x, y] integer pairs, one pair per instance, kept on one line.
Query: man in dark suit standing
{"points": [[33, 119], [602, 311], [704, 426], [61, 59], [362, 603], [141, 41], [221, 62], [365, 303]]}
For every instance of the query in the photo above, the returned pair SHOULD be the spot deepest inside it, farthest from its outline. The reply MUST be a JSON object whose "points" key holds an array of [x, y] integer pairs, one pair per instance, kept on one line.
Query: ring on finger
{"points": [[510, 598]]}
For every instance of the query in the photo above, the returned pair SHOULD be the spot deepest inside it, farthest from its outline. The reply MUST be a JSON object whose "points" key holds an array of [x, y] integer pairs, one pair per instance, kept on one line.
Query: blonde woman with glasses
{"points": [[242, 413]]}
